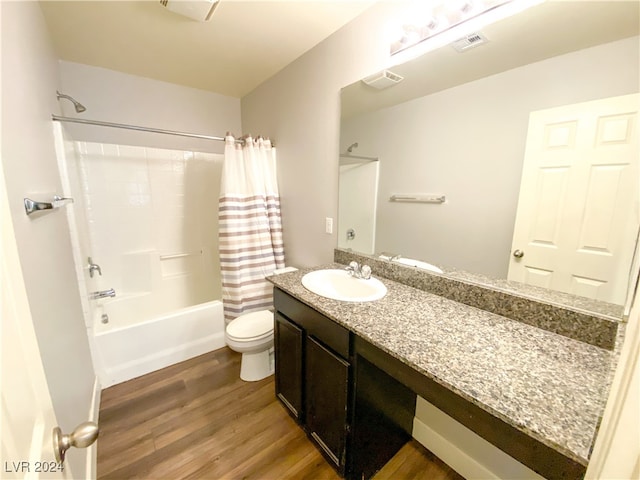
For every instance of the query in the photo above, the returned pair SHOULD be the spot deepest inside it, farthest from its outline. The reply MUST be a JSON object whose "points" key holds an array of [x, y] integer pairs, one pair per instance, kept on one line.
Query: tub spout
{"points": [[102, 294]]}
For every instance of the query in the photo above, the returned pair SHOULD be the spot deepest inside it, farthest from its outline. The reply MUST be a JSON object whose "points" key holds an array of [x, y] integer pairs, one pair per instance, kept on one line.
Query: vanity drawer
{"points": [[317, 325]]}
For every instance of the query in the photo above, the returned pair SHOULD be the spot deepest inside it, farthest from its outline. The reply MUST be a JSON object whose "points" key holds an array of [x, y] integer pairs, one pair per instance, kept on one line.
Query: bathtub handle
{"points": [[102, 294]]}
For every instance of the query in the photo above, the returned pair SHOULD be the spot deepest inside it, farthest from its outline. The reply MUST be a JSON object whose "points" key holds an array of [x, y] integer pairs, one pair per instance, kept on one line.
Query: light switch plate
{"points": [[328, 225]]}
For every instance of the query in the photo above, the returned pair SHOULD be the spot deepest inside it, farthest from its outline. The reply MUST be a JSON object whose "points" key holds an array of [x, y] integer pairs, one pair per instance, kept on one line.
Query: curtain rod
{"points": [[136, 127]]}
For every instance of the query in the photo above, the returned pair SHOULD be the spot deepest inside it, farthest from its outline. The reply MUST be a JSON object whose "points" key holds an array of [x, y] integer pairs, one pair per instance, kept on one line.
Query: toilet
{"points": [[252, 336]]}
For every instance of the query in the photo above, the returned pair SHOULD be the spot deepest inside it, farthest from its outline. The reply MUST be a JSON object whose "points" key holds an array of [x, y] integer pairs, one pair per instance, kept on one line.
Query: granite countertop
{"points": [[551, 387]]}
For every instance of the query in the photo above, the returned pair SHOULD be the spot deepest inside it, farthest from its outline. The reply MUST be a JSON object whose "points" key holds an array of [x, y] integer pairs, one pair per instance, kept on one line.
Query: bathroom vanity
{"points": [[349, 374], [313, 373]]}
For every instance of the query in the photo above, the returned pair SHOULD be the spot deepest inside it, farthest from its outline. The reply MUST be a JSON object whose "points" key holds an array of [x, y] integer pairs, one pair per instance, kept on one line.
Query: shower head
{"points": [[352, 146], [79, 107]]}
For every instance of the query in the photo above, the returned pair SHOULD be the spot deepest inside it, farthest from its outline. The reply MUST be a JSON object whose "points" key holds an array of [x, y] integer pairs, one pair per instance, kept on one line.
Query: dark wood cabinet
{"points": [[358, 415], [313, 374]]}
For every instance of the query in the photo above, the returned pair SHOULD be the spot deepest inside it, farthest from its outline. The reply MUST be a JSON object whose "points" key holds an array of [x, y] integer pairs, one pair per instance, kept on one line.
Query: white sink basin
{"points": [[339, 285]]}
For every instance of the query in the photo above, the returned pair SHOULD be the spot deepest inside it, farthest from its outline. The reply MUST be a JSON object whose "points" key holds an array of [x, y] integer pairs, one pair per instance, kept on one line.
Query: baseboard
{"points": [[463, 450], [449, 452], [91, 472], [150, 363]]}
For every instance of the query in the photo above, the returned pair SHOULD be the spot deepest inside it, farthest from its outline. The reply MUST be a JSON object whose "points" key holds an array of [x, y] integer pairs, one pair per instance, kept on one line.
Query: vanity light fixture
{"points": [[445, 16]]}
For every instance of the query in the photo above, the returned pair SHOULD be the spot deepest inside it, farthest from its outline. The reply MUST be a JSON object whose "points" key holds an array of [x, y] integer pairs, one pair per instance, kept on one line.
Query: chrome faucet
{"points": [[93, 267], [102, 294], [353, 269], [359, 271]]}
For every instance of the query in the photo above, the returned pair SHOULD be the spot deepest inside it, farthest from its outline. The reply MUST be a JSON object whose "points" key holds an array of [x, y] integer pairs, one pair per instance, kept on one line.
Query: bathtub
{"points": [[127, 349]]}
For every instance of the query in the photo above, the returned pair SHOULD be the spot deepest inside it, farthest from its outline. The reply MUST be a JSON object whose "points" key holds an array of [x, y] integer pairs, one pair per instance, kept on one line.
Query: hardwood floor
{"points": [[198, 420]]}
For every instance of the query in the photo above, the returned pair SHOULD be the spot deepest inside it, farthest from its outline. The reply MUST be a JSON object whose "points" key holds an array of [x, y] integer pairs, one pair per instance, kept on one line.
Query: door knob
{"points": [[518, 253], [83, 436]]}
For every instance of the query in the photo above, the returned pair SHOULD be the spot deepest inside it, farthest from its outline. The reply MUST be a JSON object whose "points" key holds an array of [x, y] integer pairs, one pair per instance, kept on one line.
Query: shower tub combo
{"points": [[144, 216]]}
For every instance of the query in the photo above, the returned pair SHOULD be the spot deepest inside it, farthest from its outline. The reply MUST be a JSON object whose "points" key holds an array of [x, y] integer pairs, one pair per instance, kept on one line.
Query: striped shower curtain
{"points": [[250, 226]]}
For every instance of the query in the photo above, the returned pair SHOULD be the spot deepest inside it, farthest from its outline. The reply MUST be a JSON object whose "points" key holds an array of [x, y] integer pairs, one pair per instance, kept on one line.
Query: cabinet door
{"points": [[326, 400], [288, 351]]}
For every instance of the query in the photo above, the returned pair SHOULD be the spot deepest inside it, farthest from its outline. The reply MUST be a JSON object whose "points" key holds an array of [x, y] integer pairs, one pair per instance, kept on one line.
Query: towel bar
{"points": [[31, 206], [418, 198], [179, 255]]}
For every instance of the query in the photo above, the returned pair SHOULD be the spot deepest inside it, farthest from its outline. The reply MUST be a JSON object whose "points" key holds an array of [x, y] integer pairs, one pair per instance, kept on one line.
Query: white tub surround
{"points": [[144, 216]]}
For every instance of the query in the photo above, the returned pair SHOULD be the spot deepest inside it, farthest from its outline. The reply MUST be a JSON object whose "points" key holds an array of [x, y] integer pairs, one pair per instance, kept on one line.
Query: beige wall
{"points": [[299, 108], [122, 98], [29, 80]]}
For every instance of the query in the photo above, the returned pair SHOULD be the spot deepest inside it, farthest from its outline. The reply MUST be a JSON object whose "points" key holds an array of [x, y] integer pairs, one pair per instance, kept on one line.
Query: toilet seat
{"points": [[251, 327], [252, 339]]}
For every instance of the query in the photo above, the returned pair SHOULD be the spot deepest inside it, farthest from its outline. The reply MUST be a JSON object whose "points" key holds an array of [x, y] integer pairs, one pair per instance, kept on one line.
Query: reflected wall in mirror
{"points": [[459, 125]]}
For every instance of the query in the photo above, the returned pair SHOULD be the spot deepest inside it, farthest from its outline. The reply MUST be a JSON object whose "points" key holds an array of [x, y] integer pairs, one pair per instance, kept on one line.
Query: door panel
{"points": [[288, 352], [552, 187], [326, 399]]}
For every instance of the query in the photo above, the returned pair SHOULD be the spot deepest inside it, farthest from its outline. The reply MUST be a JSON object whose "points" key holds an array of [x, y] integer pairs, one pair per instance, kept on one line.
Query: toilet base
{"points": [[256, 366]]}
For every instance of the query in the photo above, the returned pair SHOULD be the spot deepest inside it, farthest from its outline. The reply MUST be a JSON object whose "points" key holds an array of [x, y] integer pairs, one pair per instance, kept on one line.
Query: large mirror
{"points": [[474, 161]]}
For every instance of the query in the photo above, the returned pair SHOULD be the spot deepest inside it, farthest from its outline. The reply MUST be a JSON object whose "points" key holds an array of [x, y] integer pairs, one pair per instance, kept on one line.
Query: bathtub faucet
{"points": [[102, 294]]}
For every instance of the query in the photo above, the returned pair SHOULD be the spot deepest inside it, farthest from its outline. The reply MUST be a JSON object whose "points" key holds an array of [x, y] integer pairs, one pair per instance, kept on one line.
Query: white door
{"points": [[577, 217], [27, 418]]}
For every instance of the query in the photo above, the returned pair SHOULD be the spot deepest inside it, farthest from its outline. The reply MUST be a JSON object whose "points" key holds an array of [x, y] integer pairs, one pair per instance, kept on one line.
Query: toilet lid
{"points": [[251, 325]]}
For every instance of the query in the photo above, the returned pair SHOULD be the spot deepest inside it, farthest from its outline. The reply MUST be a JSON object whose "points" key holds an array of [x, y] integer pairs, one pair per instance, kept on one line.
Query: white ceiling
{"points": [[244, 43]]}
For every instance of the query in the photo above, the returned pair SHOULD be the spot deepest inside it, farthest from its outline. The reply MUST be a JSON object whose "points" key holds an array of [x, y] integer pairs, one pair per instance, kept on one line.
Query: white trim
{"points": [[616, 452], [91, 470]]}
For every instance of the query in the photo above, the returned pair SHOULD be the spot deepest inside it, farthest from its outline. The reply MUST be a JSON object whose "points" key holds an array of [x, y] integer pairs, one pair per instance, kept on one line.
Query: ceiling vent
{"points": [[470, 41], [199, 10], [383, 79]]}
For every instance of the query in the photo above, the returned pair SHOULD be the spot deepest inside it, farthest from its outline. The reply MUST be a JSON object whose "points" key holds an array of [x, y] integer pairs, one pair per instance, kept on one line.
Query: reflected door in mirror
{"points": [[574, 223]]}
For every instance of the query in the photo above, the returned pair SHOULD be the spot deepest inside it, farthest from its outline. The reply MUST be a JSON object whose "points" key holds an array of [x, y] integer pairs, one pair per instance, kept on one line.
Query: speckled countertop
{"points": [[549, 386]]}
